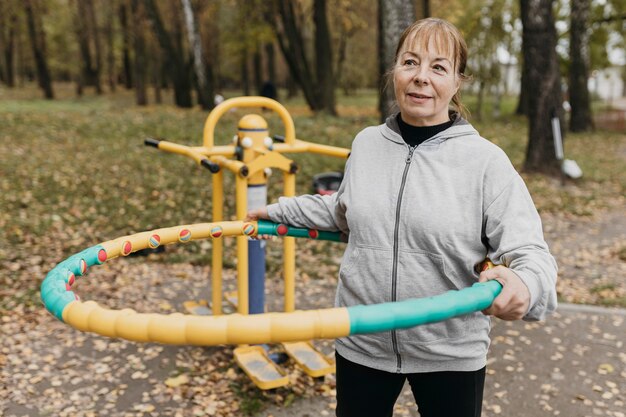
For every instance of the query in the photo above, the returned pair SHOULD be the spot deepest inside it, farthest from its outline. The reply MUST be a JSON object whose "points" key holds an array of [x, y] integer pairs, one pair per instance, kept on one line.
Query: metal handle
{"points": [[221, 109]]}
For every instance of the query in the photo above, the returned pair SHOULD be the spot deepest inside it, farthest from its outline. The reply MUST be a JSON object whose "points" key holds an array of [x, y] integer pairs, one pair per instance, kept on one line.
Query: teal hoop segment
{"points": [[414, 312], [265, 227], [54, 289]]}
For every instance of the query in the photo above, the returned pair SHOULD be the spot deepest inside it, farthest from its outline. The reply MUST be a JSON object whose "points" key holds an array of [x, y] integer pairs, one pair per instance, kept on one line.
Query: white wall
{"points": [[607, 84]]}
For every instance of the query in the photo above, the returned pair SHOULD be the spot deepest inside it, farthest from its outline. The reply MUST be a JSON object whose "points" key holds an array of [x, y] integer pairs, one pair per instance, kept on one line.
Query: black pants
{"points": [[363, 391]]}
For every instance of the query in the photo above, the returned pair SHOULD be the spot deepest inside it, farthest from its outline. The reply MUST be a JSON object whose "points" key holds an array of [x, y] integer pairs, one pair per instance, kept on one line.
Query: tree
{"points": [[316, 81], [544, 83], [393, 18], [127, 70], [109, 33], [324, 57], [204, 80], [8, 33], [139, 47], [270, 62], [347, 23], [89, 45], [580, 119], [174, 54], [38, 44], [425, 9], [483, 27]]}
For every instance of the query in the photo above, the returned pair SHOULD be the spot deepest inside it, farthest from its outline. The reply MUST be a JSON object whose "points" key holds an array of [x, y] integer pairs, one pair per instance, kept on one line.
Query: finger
{"points": [[507, 306], [500, 303], [498, 273]]}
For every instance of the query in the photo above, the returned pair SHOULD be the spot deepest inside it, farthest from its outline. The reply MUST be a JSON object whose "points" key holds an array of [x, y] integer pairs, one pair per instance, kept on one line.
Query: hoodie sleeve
{"points": [[320, 212], [513, 231]]}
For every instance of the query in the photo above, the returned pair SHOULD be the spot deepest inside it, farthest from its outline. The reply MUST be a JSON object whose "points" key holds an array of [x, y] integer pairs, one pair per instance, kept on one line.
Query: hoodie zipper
{"points": [[394, 272]]}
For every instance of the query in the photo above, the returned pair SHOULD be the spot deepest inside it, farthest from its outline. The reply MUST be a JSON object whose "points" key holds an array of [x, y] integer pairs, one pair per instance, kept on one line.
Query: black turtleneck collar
{"points": [[414, 135]]}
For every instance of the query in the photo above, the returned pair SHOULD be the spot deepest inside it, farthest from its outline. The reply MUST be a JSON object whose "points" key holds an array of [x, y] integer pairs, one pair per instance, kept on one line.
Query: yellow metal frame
{"points": [[255, 153]]}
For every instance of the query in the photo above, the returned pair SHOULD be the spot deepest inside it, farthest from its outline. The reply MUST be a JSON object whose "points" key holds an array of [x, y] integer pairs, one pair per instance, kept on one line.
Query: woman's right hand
{"points": [[258, 214]]}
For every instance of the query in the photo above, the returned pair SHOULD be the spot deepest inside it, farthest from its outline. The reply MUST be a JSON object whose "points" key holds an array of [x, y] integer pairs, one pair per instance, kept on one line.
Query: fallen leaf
{"points": [[605, 368], [177, 381]]}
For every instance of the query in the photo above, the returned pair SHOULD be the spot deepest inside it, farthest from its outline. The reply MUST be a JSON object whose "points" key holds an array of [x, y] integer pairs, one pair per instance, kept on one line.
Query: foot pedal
{"points": [[197, 308], [310, 359], [259, 367]]}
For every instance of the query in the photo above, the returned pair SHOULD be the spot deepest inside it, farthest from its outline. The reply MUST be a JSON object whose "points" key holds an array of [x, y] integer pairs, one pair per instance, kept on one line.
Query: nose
{"points": [[420, 77]]}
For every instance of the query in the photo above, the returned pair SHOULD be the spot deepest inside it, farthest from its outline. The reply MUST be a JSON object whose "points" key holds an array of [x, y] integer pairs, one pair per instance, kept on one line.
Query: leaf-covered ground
{"points": [[74, 172]]}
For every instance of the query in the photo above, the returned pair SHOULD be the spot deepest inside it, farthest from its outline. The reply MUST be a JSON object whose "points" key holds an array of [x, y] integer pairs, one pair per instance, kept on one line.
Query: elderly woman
{"points": [[424, 200]]}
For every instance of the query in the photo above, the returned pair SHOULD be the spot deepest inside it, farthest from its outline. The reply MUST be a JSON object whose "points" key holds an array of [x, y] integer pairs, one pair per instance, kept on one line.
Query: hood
{"points": [[460, 127]]}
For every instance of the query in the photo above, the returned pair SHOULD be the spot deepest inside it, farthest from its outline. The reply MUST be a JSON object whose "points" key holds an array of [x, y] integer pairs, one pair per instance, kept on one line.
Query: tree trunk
{"points": [[205, 84], [173, 55], [157, 74], [8, 27], [292, 46], [522, 103], [8, 54], [478, 113], [393, 18], [245, 77], [139, 46], [110, 59], [324, 58], [21, 45], [497, 102], [95, 35], [126, 41], [317, 86], [425, 9], [86, 35], [257, 70], [580, 117], [341, 57], [292, 87], [544, 84], [38, 44], [270, 62]]}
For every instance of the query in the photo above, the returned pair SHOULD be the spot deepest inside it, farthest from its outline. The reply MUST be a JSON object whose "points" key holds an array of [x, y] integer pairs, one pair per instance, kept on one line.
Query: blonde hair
{"points": [[447, 39]]}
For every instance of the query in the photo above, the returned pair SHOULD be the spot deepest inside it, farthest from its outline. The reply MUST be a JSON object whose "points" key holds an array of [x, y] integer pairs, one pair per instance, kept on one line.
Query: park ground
{"points": [[75, 173]]}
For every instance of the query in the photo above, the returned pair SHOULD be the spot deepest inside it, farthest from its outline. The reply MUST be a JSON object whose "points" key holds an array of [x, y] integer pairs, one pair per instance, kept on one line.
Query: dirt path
{"points": [[591, 253]]}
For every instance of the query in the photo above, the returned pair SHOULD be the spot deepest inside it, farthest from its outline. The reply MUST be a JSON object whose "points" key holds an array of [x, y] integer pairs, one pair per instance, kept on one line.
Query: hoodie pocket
{"points": [[422, 274], [364, 276]]}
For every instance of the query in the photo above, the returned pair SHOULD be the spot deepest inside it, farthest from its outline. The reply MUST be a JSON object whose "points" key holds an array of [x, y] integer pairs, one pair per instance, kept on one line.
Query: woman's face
{"points": [[424, 83]]}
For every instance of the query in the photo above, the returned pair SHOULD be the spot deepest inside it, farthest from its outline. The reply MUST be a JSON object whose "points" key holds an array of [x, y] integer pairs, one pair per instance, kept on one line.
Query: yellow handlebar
{"points": [[218, 112]]}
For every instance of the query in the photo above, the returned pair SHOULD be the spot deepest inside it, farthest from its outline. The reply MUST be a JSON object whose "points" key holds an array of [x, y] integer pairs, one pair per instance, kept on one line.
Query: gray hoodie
{"points": [[419, 221]]}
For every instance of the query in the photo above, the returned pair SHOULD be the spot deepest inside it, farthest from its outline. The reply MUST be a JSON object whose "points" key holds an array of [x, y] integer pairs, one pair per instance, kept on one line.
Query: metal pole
{"points": [[257, 198]]}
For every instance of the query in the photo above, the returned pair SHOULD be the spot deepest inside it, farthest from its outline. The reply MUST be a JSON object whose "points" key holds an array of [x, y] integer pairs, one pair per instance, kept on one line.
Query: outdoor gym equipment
{"points": [[296, 326], [251, 157]]}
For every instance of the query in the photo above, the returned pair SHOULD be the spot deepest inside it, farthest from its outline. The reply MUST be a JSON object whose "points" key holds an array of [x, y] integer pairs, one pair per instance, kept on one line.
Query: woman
{"points": [[424, 200]]}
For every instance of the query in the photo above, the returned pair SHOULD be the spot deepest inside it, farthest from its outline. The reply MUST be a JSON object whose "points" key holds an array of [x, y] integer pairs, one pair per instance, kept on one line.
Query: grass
{"points": [[75, 172]]}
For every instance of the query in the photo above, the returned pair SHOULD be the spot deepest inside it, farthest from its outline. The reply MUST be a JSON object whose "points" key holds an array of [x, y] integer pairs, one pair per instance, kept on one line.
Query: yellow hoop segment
{"points": [[183, 329]]}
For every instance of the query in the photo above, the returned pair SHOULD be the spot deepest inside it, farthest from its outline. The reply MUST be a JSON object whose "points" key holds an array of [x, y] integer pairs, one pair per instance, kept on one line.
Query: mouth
{"points": [[419, 95]]}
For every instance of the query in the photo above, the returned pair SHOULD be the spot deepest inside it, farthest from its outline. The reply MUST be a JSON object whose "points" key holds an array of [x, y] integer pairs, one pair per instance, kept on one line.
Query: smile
{"points": [[417, 95]]}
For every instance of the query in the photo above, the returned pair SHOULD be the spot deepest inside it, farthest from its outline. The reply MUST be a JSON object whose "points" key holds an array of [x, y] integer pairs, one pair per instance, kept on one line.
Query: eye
{"points": [[409, 62], [439, 68]]}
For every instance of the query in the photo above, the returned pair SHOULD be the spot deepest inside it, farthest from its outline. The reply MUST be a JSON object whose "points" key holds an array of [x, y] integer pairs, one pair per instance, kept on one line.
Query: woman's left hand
{"points": [[513, 301]]}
